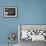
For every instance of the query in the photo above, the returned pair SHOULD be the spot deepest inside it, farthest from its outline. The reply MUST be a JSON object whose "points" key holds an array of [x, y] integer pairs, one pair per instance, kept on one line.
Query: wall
{"points": [[29, 12], [7, 25]]}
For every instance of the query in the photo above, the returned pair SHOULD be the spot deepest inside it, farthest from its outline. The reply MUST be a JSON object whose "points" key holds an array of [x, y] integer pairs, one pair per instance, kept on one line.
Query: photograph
{"points": [[10, 11]]}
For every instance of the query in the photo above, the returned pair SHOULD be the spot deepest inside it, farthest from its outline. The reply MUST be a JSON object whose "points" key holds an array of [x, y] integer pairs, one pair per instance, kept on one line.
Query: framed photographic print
{"points": [[10, 11]]}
